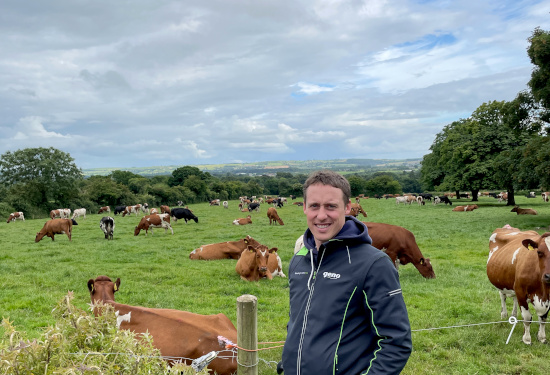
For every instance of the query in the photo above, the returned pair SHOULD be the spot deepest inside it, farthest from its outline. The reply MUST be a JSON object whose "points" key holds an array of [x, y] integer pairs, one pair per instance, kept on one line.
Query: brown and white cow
{"points": [[165, 210], [176, 334], [255, 264], [273, 216], [153, 211], [523, 211], [215, 202], [16, 216], [55, 226], [79, 212], [546, 196], [400, 245], [243, 221], [223, 250], [356, 209], [104, 209], [153, 221], [61, 213], [469, 207], [519, 267], [131, 210]]}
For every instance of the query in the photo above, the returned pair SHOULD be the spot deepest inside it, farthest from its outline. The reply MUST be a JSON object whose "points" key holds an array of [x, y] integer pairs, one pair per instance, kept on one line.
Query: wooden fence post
{"points": [[247, 334]]}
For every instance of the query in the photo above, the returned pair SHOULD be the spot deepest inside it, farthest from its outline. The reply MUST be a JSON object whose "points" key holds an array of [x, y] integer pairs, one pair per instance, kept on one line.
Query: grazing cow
{"points": [[153, 211], [55, 226], [445, 199], [436, 200], [279, 202], [183, 213], [145, 208], [61, 213], [215, 202], [273, 216], [502, 196], [104, 209], [119, 209], [16, 216], [225, 204], [523, 211], [546, 196], [107, 225], [241, 221], [469, 207], [403, 200], [176, 334], [426, 196], [519, 267], [400, 245], [79, 212], [223, 250], [420, 200], [165, 210], [131, 210], [356, 209], [253, 264], [254, 207], [153, 221]]}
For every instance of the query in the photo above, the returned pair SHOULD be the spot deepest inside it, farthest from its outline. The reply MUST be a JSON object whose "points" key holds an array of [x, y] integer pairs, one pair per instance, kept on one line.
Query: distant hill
{"points": [[272, 167]]}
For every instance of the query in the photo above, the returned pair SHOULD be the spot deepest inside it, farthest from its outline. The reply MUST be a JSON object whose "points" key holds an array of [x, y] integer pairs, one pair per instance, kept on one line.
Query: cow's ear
{"points": [[91, 285], [273, 250], [422, 261], [117, 284], [529, 244], [246, 240]]}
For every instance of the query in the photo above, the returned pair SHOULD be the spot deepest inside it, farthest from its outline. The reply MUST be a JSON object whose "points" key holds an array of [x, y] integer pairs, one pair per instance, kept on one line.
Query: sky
{"points": [[159, 82]]}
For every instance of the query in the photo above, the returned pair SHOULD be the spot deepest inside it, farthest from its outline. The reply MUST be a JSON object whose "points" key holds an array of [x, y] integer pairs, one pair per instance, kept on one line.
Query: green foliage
{"points": [[539, 53], [383, 184]]}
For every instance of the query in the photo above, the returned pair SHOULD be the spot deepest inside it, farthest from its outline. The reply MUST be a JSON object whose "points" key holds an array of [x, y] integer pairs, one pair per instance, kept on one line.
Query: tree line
{"points": [[503, 144]]}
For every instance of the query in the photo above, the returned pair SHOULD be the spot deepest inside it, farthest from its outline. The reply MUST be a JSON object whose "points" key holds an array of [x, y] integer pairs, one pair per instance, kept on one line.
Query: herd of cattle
{"points": [[518, 266]]}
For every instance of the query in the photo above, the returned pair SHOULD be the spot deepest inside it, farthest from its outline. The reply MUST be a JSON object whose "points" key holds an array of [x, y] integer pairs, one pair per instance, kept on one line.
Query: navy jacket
{"points": [[347, 313]]}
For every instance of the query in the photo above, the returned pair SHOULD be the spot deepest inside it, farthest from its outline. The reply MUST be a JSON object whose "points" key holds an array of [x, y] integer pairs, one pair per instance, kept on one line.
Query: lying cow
{"points": [[469, 207], [241, 221], [259, 262], [183, 213], [223, 250], [523, 211], [153, 221], [176, 334], [79, 212], [519, 267], [15, 216], [273, 216], [55, 226], [104, 209], [107, 225]]}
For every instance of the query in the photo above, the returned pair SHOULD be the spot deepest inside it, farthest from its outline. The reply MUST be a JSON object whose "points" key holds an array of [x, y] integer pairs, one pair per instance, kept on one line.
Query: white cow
{"points": [[79, 212], [404, 200], [225, 204]]}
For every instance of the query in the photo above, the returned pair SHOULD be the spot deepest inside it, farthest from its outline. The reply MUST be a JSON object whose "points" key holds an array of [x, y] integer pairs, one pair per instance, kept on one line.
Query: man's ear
{"points": [[348, 207]]}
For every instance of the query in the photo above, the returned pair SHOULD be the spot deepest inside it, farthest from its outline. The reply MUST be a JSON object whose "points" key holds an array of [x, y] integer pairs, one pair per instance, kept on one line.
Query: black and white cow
{"points": [[183, 213], [107, 225], [254, 207], [445, 199]]}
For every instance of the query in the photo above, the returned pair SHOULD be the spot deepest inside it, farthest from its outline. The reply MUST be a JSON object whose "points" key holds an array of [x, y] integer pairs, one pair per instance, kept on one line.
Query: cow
{"points": [[104, 209], [55, 226], [79, 212], [426, 196], [356, 209], [546, 196], [241, 221], [445, 199], [299, 204], [183, 213], [165, 210], [400, 245], [469, 207], [357, 200], [131, 210], [215, 202], [255, 206], [254, 263], [523, 211], [153, 221], [119, 209], [16, 216], [420, 200], [107, 225], [279, 202], [502, 196], [519, 267], [225, 204], [273, 216], [436, 200], [223, 250], [176, 334], [403, 200], [153, 211], [61, 213], [145, 208]]}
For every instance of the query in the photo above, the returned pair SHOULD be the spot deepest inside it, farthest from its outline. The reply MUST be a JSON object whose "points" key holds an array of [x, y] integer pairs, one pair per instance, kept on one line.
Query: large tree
{"points": [[47, 175], [539, 53]]}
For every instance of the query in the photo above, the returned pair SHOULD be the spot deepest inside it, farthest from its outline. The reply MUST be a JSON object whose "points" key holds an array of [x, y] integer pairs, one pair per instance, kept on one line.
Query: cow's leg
{"points": [[515, 308], [527, 317], [503, 311], [542, 332]]}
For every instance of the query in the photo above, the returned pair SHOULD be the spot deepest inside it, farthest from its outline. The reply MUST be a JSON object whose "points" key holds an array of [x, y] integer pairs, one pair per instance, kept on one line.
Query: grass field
{"points": [[156, 272]]}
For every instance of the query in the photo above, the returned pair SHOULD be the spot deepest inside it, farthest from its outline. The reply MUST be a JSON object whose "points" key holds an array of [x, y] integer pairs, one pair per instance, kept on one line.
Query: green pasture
{"points": [[447, 314]]}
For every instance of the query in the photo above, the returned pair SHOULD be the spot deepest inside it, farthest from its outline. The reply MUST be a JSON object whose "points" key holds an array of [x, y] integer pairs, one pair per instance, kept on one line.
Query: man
{"points": [[347, 313]]}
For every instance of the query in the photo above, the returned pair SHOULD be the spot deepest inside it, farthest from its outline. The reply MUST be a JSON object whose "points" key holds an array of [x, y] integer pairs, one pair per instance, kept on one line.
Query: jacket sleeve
{"points": [[390, 321]]}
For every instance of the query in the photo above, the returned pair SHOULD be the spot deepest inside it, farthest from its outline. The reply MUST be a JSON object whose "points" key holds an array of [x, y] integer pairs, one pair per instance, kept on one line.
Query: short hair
{"points": [[331, 178]]}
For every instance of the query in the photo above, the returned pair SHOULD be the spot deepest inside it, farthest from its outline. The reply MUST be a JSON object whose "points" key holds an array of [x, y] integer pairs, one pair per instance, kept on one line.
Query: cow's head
{"points": [[425, 268], [542, 247], [262, 255], [136, 231], [39, 236], [103, 289]]}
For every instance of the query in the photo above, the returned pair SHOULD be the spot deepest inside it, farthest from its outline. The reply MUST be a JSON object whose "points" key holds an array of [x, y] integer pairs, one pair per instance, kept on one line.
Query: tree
{"points": [[383, 184], [123, 177], [180, 175], [357, 185], [539, 53], [48, 175]]}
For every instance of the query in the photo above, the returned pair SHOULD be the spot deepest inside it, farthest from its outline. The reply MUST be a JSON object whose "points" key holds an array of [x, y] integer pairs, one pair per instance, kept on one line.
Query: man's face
{"points": [[325, 211]]}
